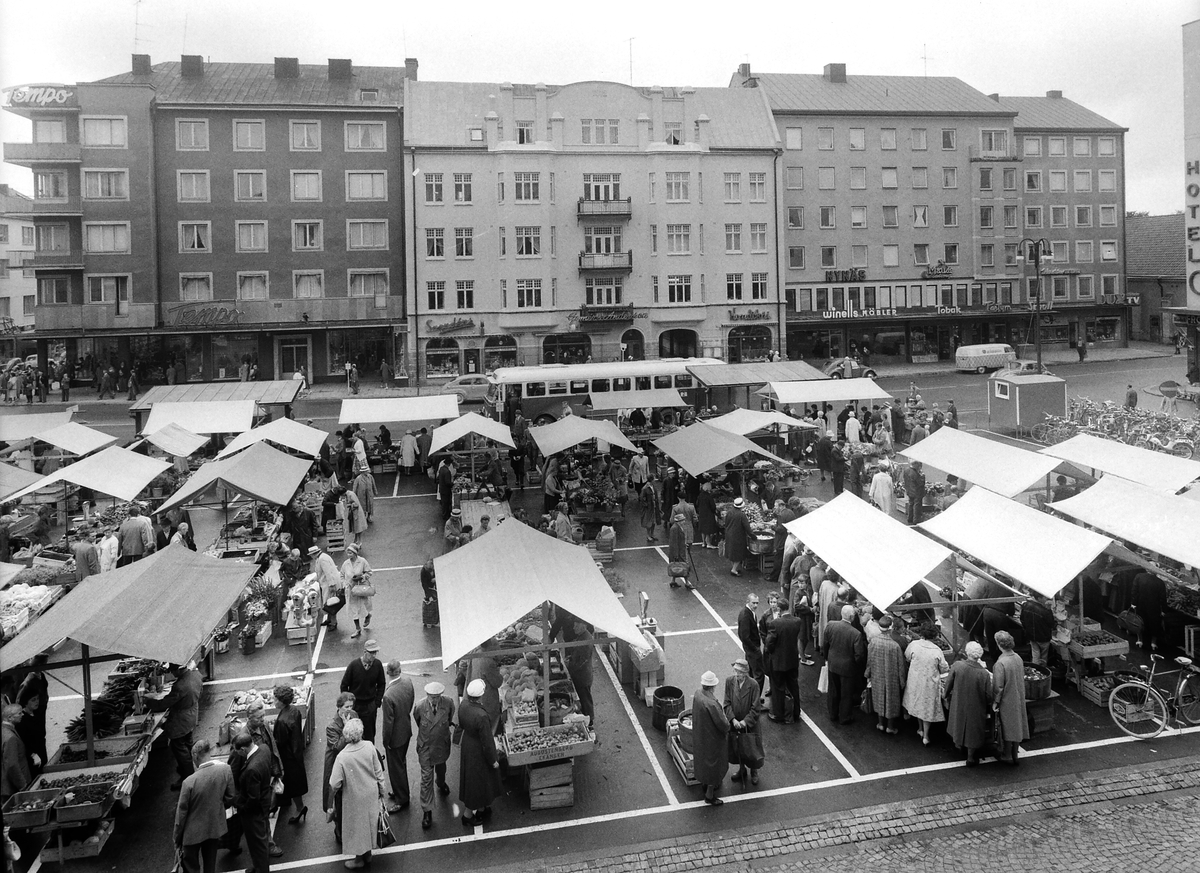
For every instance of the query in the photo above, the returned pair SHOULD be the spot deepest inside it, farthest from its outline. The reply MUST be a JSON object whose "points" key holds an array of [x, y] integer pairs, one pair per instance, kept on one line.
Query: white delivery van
{"points": [[990, 356]]}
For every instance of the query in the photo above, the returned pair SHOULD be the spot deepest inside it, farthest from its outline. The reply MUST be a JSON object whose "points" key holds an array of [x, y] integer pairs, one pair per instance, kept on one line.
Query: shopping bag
{"points": [[362, 589], [721, 548], [868, 702], [383, 829], [677, 569], [823, 681]]}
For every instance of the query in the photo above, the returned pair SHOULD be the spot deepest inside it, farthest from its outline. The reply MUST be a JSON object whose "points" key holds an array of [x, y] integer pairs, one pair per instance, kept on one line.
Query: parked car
{"points": [[469, 389], [981, 358], [835, 368], [1021, 367]]}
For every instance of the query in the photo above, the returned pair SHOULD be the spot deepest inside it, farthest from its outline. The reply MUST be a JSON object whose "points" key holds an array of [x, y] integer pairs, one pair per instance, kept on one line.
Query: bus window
{"points": [[579, 386], [621, 384], [641, 383], [599, 385], [535, 389], [557, 387], [662, 381], [683, 381]]}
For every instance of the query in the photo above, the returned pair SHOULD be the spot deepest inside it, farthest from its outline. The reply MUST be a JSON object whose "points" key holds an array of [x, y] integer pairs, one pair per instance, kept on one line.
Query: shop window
{"points": [[442, 357], [633, 347], [499, 351], [749, 343], [566, 348], [677, 343], [230, 351]]}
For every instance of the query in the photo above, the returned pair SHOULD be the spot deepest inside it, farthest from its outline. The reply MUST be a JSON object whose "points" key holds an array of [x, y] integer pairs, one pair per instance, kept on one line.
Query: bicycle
{"points": [[1178, 447], [1142, 710]]}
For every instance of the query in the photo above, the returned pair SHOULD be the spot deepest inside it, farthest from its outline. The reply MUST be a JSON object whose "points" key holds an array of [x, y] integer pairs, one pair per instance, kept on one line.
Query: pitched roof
{"points": [[14, 201], [256, 85], [813, 94], [1055, 113], [1154, 246]]}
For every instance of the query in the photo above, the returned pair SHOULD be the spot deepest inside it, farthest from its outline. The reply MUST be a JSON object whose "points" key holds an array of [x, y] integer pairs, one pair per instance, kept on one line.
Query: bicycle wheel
{"points": [[1182, 449], [1040, 433], [1138, 710], [1187, 704]]}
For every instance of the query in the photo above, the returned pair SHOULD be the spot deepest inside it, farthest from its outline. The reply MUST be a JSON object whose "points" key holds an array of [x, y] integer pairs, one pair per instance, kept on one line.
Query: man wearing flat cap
{"points": [[364, 678], [710, 743], [433, 716]]}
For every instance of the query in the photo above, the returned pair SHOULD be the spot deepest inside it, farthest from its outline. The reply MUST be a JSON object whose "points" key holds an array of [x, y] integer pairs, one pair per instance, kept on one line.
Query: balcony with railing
{"points": [[605, 208], [70, 206], [28, 154], [976, 154], [55, 260], [612, 261]]}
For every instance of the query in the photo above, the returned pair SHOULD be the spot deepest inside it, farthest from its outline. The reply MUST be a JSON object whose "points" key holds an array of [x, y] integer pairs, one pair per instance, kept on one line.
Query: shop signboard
{"points": [[40, 96], [603, 314], [203, 315], [1191, 162], [451, 326], [750, 315]]}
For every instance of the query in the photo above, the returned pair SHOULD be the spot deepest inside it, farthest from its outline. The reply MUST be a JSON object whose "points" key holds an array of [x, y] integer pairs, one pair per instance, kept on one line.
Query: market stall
{"points": [[571, 430], [282, 432], [75, 439], [114, 471], [14, 428], [203, 416], [275, 397], [615, 402], [996, 466], [470, 426], [823, 391], [176, 441], [391, 410], [1157, 470], [701, 447], [726, 384], [14, 479]]}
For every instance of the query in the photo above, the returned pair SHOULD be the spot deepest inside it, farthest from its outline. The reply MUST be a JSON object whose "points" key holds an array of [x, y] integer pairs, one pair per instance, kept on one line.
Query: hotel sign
{"points": [[1191, 217], [40, 96]]}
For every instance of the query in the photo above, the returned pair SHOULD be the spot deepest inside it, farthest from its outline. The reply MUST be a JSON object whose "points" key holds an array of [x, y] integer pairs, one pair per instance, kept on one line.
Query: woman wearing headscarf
{"points": [[968, 694], [648, 500], [408, 452], [706, 515], [364, 491], [1008, 678], [356, 516], [679, 549], [289, 739], [358, 775], [745, 734], [926, 666], [478, 769], [882, 491], [356, 571]]}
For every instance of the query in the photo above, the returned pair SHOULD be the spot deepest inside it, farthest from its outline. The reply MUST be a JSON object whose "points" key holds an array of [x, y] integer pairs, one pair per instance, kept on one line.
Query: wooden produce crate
{"points": [[66, 811], [600, 555], [551, 753], [335, 534], [53, 854], [110, 751], [526, 720], [137, 724], [551, 784], [31, 817], [1110, 647], [683, 759], [1098, 689], [760, 545], [298, 634], [264, 634], [13, 624]]}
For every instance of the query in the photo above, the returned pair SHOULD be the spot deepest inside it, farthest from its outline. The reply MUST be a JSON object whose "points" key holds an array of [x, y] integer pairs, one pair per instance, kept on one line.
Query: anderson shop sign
{"points": [[40, 96]]}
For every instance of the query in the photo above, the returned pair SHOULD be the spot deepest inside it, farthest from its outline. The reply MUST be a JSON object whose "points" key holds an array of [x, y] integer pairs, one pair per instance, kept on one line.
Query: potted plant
{"points": [[249, 635], [221, 640]]}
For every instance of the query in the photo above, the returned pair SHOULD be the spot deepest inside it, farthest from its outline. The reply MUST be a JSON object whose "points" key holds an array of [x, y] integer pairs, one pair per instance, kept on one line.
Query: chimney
{"points": [[702, 123], [191, 65], [743, 72], [995, 97], [410, 69], [835, 73], [340, 69], [141, 65], [287, 68], [1054, 95]]}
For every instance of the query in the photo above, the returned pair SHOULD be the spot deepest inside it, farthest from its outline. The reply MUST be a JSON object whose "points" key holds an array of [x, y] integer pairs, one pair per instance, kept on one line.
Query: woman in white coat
{"points": [[882, 493], [360, 607], [408, 452], [358, 775]]}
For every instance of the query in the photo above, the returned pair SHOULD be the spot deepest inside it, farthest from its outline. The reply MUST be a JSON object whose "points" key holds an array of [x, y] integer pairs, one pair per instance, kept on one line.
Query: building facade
{"points": [[18, 286], [194, 216], [1156, 273], [590, 221]]}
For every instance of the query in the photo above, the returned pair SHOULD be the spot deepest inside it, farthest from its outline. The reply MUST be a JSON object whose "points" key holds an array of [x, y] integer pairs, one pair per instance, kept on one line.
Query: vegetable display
{"points": [[93, 792], [536, 739], [109, 709], [1096, 638], [81, 779]]}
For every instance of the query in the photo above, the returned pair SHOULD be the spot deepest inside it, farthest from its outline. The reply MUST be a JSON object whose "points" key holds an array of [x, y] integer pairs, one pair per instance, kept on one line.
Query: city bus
{"points": [[541, 390]]}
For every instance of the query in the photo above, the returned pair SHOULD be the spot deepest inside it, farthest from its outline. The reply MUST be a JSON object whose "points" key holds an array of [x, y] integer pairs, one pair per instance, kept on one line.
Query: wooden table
{"points": [[474, 510]]}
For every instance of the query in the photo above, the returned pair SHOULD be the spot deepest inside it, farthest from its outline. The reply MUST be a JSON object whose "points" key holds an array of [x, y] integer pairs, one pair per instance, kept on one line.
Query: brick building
{"points": [[1156, 273]]}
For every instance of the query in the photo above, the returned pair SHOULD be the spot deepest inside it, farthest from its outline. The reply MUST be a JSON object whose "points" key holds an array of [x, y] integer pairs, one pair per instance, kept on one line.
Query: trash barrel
{"points": [[668, 703], [685, 730]]}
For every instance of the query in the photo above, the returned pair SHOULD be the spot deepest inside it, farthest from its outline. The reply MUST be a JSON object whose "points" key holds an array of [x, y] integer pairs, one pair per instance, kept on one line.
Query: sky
{"points": [[1118, 58]]}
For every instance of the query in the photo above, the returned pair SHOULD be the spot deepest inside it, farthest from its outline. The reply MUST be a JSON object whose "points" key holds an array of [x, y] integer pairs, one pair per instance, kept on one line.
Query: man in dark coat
{"points": [[737, 536], [824, 454], [299, 521], [914, 489], [845, 653], [751, 639], [1149, 601], [445, 487], [1038, 622], [579, 667], [783, 644], [710, 743], [837, 466], [478, 769], [783, 514], [745, 733], [200, 814], [182, 706], [254, 798], [433, 716], [397, 707], [364, 678]]}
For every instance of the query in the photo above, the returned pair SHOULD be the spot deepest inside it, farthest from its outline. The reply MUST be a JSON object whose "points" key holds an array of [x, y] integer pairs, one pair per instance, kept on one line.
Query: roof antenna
{"points": [[631, 61], [925, 58]]}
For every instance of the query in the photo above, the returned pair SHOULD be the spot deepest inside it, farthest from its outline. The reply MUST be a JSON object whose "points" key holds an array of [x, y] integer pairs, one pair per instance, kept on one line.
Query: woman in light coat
{"points": [[882, 493], [926, 666], [356, 516], [360, 607], [1009, 701], [358, 775], [408, 452]]}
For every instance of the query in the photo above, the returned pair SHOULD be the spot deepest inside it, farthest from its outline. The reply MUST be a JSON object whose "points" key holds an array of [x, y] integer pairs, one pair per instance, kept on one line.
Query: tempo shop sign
{"points": [[44, 96]]}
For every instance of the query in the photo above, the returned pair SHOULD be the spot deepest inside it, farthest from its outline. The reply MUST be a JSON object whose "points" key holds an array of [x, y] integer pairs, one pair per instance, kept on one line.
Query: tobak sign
{"points": [[40, 96]]}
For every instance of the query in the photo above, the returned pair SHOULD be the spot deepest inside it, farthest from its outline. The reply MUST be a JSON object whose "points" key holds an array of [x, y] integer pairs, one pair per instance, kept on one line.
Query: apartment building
{"points": [[18, 287], [589, 221]]}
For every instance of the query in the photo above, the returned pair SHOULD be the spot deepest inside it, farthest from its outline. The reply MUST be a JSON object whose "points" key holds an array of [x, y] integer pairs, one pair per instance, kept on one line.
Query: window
{"points": [[951, 251], [949, 177], [250, 185], [733, 239], [1033, 181], [828, 257], [1084, 251], [949, 216], [1108, 250], [994, 141], [26, 236], [366, 185], [920, 177], [192, 186], [1060, 252], [796, 217], [1010, 178], [191, 135], [52, 238], [28, 303], [825, 138], [679, 239], [1085, 289], [858, 216], [529, 241], [679, 289], [194, 237], [1010, 216], [887, 139], [1058, 216], [308, 284], [1033, 216], [758, 286], [796, 257], [758, 236], [891, 255], [1058, 147], [920, 141], [603, 291], [368, 95], [794, 178], [526, 187], [733, 286], [374, 284], [597, 130], [251, 236], [858, 178], [758, 187], [1083, 216], [1010, 254], [920, 216], [987, 219], [1058, 180], [673, 133], [921, 254], [464, 291], [987, 255], [306, 185], [1033, 146], [985, 178], [49, 130], [794, 138], [891, 216], [1082, 147], [114, 238], [949, 140], [828, 217], [307, 236], [529, 293], [1060, 287], [433, 188], [195, 287], [1106, 146], [435, 242], [367, 234], [249, 136], [890, 177], [54, 291], [677, 187], [464, 242], [106, 184], [253, 286], [1083, 181], [858, 256], [826, 178], [1108, 286], [50, 185], [1108, 216], [858, 139], [306, 136], [366, 136], [733, 187], [436, 295], [1106, 180], [103, 133]]}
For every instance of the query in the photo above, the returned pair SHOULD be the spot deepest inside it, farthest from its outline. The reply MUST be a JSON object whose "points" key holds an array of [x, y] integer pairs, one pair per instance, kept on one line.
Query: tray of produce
{"points": [[1097, 644], [531, 745], [29, 809], [85, 802], [79, 847], [113, 750], [109, 709], [1098, 688]]}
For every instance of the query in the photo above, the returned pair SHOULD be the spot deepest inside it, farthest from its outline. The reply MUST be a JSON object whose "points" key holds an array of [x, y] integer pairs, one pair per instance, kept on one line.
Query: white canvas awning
{"points": [[744, 421], [259, 473], [114, 471], [283, 432], [1032, 547], [1162, 523], [14, 479], [571, 430], [654, 398], [486, 585], [15, 427], [1156, 470], [203, 416], [824, 391], [873, 552], [757, 373], [433, 407], [990, 464], [77, 439], [471, 422], [176, 441], [700, 447]]}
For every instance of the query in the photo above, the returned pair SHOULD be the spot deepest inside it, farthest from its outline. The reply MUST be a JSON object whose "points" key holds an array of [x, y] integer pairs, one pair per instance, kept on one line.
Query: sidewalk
{"points": [[1052, 358]]}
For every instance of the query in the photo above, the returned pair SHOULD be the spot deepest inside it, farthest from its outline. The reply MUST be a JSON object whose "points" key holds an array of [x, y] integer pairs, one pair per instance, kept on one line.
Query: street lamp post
{"points": [[1037, 248]]}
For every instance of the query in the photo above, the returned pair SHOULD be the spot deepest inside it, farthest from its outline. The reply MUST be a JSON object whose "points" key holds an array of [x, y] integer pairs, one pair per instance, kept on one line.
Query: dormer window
{"points": [[674, 133], [368, 95]]}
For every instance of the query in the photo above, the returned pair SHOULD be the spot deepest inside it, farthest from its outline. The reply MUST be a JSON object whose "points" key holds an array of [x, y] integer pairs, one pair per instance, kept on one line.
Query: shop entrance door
{"points": [[471, 360], [1073, 334], [292, 353]]}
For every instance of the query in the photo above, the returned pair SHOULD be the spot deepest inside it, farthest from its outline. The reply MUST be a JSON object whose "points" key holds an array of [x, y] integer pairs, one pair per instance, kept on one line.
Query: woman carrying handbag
{"points": [[356, 579]]}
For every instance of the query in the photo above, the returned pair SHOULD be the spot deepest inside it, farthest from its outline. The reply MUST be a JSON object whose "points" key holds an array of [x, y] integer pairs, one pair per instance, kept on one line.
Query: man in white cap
{"points": [[433, 716], [453, 530], [710, 738], [478, 768]]}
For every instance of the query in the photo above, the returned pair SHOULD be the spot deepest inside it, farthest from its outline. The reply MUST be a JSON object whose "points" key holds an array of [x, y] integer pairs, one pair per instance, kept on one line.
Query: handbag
{"points": [[721, 548], [332, 600], [823, 680], [384, 836], [678, 569], [362, 589], [868, 702], [1131, 622]]}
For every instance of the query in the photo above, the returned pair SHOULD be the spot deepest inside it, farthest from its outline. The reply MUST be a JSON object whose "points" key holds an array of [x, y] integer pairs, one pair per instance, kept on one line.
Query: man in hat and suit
{"points": [[710, 738], [737, 536], [397, 732], [453, 530], [433, 716], [329, 580], [783, 644]]}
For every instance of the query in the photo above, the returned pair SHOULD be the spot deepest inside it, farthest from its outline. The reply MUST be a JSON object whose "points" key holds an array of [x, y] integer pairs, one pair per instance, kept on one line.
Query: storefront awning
{"points": [[876, 554], [15, 427], [571, 430], [115, 472], [700, 447], [14, 479], [176, 441], [275, 392], [390, 410], [1162, 523], [824, 391], [77, 439], [738, 375], [161, 607], [282, 432], [212, 416], [486, 585], [471, 422], [1156, 470], [654, 398], [993, 465], [744, 421], [259, 473], [1035, 548]]}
